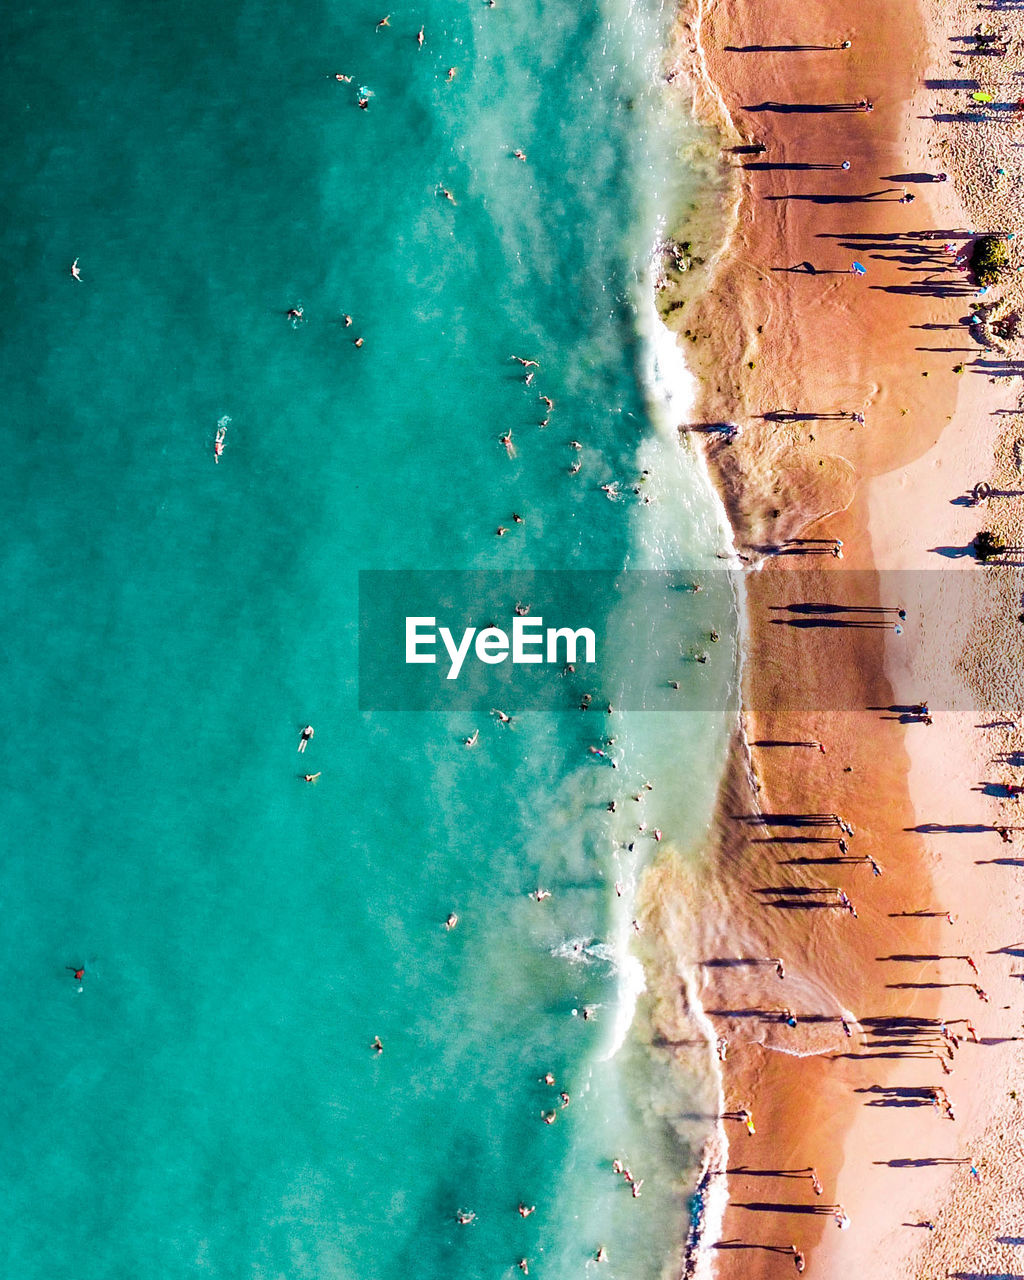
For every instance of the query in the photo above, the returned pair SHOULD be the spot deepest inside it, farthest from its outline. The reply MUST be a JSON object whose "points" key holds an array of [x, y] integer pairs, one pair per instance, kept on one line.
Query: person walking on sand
{"points": [[816, 1186], [307, 733], [970, 961], [780, 968], [842, 1218], [747, 1116]]}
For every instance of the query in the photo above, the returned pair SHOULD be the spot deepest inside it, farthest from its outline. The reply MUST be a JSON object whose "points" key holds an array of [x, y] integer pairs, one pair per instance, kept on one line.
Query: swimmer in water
{"points": [[506, 440], [451, 75], [310, 777], [295, 315], [75, 273], [539, 895], [502, 717], [376, 1045], [602, 1254], [464, 1217], [527, 364], [346, 320], [307, 733], [472, 740], [443, 191], [452, 921], [384, 22], [419, 37], [218, 443], [519, 155], [342, 79]]}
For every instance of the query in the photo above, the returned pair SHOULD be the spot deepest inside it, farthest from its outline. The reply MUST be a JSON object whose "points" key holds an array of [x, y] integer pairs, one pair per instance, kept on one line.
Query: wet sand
{"points": [[789, 344]]}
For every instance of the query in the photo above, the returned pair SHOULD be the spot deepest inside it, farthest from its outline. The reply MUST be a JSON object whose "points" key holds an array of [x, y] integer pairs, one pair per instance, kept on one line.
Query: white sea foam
{"points": [[631, 985]]}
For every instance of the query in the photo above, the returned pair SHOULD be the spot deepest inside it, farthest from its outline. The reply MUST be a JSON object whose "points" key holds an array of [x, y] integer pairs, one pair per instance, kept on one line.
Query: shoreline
{"points": [[808, 346]]}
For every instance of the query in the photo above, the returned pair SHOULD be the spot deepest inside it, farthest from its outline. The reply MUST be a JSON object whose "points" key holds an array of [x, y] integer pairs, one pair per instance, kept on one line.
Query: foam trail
{"points": [[631, 981]]}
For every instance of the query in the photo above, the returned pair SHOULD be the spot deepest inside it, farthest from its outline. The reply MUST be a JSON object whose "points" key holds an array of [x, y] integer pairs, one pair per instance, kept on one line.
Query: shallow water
{"points": [[207, 1101]]}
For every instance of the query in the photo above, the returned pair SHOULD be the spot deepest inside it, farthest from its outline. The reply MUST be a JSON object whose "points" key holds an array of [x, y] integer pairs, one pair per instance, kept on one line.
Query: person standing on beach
{"points": [[798, 1259]]}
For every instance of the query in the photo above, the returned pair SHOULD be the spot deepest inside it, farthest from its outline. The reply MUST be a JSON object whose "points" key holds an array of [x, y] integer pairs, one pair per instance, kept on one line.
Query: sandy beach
{"points": [[857, 412]]}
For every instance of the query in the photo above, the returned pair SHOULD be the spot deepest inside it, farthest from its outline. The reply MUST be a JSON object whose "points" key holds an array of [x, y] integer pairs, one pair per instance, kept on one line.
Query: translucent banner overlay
{"points": [[820, 639]]}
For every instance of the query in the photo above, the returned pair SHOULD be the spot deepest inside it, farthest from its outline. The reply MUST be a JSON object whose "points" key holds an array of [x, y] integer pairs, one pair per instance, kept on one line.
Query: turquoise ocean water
{"points": [[205, 1101]]}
